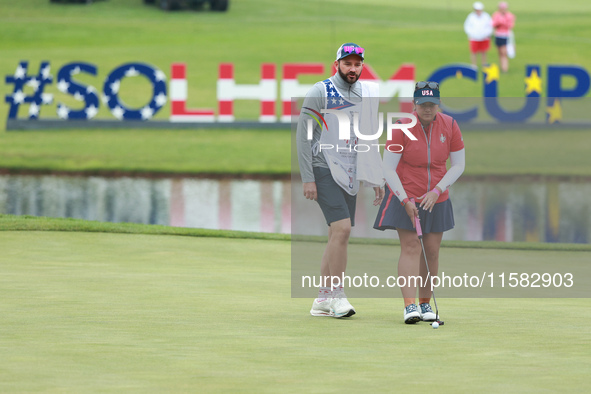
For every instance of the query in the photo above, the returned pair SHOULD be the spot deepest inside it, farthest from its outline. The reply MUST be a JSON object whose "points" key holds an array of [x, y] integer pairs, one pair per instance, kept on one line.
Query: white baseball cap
{"points": [[478, 6]]}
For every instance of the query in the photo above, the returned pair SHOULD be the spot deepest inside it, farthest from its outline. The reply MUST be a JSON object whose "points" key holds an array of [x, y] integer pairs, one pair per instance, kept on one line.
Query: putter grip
{"points": [[417, 222]]}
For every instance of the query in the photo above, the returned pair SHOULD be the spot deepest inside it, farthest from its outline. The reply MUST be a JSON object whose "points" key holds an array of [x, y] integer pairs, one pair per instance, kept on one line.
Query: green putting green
{"points": [[111, 312]]}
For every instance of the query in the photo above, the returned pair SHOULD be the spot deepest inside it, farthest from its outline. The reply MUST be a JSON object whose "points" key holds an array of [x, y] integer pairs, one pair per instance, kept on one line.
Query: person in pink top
{"points": [[503, 22], [416, 168]]}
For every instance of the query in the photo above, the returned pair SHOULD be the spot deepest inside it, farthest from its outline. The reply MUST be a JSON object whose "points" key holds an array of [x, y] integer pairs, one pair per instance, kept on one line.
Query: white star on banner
{"points": [[47, 98], [63, 112], [334, 100], [18, 97], [45, 73], [147, 112], [115, 86], [20, 72], [341, 101], [90, 89], [131, 72], [118, 112], [63, 86], [78, 96], [34, 109], [34, 83], [76, 70], [161, 99], [105, 99], [91, 111], [159, 75]]}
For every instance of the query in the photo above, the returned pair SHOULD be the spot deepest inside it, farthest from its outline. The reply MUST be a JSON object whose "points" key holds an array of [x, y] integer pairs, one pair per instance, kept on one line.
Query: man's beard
{"points": [[346, 78]]}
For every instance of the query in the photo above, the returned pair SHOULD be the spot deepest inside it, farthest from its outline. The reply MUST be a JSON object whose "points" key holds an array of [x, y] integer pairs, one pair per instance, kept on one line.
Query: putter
{"points": [[420, 235]]}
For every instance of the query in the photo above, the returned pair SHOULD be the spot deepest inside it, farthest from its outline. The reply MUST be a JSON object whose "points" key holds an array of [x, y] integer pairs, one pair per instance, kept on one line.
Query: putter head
{"points": [[440, 322]]}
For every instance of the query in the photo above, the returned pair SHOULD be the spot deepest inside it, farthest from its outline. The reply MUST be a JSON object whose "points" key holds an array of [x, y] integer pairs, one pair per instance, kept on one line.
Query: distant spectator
{"points": [[503, 22], [478, 27]]}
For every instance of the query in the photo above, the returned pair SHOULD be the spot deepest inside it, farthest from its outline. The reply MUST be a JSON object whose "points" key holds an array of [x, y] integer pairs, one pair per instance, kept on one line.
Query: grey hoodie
{"points": [[315, 99]]}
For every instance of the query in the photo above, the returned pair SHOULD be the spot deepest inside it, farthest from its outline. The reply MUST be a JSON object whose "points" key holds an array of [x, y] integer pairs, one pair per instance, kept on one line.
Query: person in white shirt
{"points": [[478, 26]]}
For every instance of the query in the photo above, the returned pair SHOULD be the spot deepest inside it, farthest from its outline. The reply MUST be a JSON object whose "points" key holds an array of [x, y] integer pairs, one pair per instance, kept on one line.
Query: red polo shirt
{"points": [[423, 162]]}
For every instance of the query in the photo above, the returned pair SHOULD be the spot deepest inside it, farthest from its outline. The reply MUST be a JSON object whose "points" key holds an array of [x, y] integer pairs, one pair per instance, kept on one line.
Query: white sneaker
{"points": [[340, 307], [411, 314], [321, 308], [426, 312]]}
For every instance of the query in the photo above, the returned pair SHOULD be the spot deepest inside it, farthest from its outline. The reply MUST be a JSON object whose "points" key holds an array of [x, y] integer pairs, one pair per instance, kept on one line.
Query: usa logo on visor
{"points": [[427, 93]]}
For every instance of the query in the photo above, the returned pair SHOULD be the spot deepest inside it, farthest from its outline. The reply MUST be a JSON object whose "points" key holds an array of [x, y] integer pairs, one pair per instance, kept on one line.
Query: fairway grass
{"points": [[104, 312], [237, 152]]}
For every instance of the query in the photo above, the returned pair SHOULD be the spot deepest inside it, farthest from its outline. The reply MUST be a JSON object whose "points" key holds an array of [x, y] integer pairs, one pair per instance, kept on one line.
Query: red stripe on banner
{"points": [[292, 70], [268, 70], [289, 108], [386, 207], [178, 70], [405, 72], [179, 108], [226, 107], [226, 71], [267, 107], [368, 74]]}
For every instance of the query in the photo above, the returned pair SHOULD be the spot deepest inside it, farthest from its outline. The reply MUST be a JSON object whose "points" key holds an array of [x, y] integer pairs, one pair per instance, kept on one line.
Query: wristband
{"points": [[403, 203], [436, 190]]}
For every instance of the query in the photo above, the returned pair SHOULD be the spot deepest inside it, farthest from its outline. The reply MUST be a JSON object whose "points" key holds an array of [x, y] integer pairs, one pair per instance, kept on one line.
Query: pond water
{"points": [[503, 210]]}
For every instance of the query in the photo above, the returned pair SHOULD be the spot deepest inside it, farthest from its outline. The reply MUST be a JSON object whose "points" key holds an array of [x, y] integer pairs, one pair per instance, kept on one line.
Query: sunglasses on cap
{"points": [[424, 84], [353, 49]]}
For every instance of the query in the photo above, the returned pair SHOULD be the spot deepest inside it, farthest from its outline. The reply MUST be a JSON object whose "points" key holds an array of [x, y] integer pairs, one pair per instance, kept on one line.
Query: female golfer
{"points": [[417, 169], [503, 22]]}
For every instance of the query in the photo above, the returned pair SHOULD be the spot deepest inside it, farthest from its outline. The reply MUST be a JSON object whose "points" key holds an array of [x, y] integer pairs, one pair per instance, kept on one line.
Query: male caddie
{"points": [[331, 168]]}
